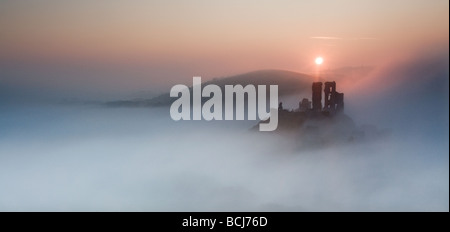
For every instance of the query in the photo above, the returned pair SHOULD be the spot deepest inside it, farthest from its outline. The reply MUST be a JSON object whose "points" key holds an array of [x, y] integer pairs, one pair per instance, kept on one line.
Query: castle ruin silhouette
{"points": [[333, 100]]}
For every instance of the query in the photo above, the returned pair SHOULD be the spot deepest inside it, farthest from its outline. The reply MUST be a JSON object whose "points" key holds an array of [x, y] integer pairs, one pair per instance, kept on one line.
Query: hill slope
{"points": [[288, 82]]}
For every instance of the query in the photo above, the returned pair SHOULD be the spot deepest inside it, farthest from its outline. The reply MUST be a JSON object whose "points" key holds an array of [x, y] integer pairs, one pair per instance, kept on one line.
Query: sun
{"points": [[319, 60]]}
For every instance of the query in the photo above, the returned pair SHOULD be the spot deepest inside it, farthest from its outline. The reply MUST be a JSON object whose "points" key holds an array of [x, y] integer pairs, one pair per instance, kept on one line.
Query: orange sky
{"points": [[180, 39]]}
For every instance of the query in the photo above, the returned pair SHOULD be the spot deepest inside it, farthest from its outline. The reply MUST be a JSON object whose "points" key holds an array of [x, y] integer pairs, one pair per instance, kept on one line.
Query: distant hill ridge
{"points": [[288, 82]]}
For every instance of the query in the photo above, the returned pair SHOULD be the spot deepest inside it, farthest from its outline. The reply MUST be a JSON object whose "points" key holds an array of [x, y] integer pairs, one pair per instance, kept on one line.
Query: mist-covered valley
{"points": [[57, 157], [138, 160]]}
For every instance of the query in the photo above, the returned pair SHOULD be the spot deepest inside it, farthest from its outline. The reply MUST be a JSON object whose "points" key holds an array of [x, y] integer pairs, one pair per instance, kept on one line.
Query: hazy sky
{"points": [[131, 45], [117, 159]]}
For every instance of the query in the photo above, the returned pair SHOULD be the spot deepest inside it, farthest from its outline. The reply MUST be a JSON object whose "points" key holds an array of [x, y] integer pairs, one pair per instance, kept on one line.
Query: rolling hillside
{"points": [[289, 83]]}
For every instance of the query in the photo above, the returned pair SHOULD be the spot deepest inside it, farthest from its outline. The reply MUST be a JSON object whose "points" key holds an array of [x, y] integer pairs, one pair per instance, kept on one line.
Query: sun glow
{"points": [[319, 60]]}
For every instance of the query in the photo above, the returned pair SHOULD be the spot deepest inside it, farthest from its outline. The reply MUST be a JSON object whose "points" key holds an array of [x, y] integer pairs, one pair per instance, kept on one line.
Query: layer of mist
{"points": [[93, 158]]}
